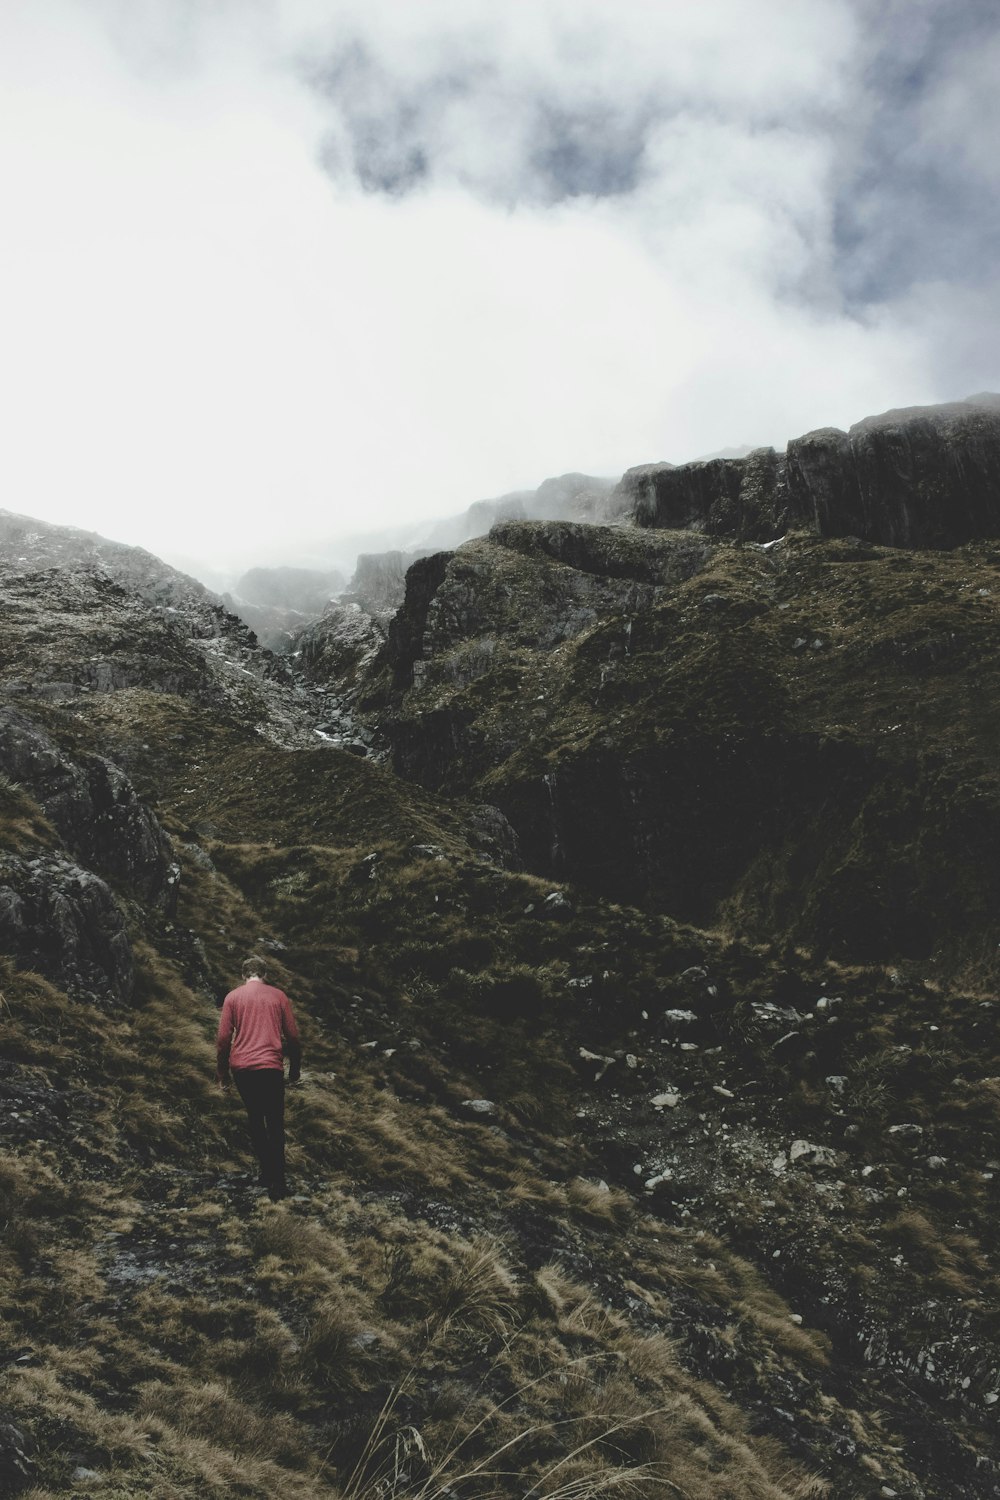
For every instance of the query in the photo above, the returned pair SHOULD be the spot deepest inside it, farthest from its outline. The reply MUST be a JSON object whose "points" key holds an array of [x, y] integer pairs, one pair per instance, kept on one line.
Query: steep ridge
{"points": [[586, 1196], [917, 477]]}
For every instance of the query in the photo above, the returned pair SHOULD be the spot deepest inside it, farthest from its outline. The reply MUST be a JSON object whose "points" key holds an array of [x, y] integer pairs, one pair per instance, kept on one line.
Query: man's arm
{"points": [[223, 1043], [292, 1043]]}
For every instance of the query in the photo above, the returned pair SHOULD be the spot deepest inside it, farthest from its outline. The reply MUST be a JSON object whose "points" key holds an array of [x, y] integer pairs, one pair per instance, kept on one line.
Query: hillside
{"points": [[647, 1139]]}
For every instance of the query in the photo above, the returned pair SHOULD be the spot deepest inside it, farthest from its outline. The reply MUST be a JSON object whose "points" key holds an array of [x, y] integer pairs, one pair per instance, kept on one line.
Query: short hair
{"points": [[255, 967]]}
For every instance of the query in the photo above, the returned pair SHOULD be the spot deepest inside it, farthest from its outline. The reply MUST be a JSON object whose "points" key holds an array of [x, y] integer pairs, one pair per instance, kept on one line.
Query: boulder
{"points": [[62, 920], [95, 809]]}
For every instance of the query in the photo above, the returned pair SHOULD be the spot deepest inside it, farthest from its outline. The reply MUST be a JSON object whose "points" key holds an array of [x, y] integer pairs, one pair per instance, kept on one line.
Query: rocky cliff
{"points": [[917, 477]]}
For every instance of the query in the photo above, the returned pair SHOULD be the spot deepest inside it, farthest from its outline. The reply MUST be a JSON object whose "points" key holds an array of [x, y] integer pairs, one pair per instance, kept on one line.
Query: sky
{"points": [[277, 271]]}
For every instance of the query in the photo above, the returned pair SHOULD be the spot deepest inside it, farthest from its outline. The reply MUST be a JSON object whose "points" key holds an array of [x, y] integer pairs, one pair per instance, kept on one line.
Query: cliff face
{"points": [[918, 477], [727, 733]]}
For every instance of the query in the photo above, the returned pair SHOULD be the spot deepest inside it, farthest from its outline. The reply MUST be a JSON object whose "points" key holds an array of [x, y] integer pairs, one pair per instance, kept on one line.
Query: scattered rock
{"points": [[909, 1131], [605, 1062], [557, 904], [810, 1154]]}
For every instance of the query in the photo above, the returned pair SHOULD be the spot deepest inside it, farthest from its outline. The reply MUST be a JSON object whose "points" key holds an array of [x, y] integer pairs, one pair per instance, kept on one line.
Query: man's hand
{"points": [[224, 1081]]}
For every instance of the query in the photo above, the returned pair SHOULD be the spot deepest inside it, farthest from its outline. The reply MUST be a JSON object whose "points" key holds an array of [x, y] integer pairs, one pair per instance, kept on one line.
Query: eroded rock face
{"points": [[379, 582], [339, 646], [531, 584], [62, 920], [916, 477], [94, 807]]}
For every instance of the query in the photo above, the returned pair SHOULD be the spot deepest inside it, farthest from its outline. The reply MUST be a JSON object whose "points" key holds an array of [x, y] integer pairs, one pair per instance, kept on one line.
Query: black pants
{"points": [[263, 1093]]}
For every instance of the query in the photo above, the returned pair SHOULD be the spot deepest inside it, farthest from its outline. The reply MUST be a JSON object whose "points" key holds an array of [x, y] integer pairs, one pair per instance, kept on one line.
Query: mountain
{"points": [[645, 962]]}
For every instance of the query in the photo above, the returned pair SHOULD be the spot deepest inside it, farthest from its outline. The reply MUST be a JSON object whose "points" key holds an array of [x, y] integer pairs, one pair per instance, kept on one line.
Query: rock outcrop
{"points": [[94, 808], [533, 584], [63, 920], [379, 582], [916, 477], [100, 620]]}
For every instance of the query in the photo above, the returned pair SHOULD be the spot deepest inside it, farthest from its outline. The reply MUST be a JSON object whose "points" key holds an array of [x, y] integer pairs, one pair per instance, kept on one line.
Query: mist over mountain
{"points": [[632, 867]]}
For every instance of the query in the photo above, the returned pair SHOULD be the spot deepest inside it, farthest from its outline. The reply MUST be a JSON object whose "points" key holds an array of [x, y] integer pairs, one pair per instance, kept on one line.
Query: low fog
{"points": [[281, 272]]}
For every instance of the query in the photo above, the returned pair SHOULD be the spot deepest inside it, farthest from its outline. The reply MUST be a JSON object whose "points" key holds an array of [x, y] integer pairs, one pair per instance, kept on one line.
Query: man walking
{"points": [[256, 1031]]}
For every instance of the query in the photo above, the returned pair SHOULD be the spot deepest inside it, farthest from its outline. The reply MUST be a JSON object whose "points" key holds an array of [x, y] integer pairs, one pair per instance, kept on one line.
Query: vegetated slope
{"points": [[590, 1202], [794, 740]]}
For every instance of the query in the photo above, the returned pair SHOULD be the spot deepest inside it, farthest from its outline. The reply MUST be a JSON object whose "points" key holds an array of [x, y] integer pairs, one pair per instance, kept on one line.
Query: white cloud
{"points": [[213, 347]]}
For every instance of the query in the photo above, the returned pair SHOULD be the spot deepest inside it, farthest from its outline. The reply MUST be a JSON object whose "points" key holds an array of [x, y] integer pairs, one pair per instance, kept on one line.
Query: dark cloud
{"points": [[397, 132], [917, 197], [587, 154]]}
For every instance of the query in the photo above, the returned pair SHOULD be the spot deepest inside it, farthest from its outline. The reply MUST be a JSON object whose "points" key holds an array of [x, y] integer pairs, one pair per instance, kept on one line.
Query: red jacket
{"points": [[256, 1029]]}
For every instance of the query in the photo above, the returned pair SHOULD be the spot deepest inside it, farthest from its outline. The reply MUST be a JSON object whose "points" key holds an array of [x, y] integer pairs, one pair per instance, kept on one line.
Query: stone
{"points": [[665, 1101], [16, 1468], [557, 904], [652, 1183], [909, 1131], [810, 1154], [479, 1106]]}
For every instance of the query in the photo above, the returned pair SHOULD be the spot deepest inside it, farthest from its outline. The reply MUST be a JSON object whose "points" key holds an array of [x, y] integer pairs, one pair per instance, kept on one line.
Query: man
{"points": [[256, 1031]]}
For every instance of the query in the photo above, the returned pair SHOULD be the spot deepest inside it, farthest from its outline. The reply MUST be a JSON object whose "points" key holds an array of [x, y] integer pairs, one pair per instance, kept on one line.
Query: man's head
{"points": [[254, 967]]}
